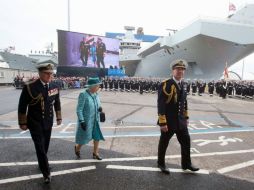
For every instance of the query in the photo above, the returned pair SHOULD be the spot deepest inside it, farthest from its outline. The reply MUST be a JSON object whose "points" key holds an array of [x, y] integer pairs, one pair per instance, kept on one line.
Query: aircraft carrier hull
{"points": [[206, 57], [206, 44]]}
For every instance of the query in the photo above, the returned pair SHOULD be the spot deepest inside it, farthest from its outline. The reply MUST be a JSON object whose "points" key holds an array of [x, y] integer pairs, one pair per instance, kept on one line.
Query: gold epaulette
{"points": [[172, 94], [165, 80]]}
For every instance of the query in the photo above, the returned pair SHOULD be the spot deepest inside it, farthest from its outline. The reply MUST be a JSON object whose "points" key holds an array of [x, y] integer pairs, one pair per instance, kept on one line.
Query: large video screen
{"points": [[85, 50]]}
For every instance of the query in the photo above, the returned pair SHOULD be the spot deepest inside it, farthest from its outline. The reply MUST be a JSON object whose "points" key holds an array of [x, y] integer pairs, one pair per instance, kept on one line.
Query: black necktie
{"points": [[46, 90], [179, 85]]}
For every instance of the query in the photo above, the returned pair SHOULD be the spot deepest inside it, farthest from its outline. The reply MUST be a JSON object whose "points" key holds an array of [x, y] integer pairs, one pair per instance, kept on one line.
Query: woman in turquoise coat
{"points": [[88, 125]]}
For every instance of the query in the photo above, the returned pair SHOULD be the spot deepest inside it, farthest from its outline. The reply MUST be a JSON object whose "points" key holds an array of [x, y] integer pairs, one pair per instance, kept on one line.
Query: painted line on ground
{"points": [[236, 167], [36, 176], [130, 127], [133, 135], [6, 164], [71, 127], [67, 135], [135, 168]]}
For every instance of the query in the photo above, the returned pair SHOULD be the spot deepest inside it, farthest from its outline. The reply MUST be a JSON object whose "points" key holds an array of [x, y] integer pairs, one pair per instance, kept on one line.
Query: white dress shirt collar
{"points": [[177, 81], [43, 83]]}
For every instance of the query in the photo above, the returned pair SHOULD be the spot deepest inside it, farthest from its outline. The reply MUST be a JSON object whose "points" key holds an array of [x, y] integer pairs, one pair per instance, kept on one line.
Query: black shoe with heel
{"points": [[77, 152], [164, 169], [96, 157]]}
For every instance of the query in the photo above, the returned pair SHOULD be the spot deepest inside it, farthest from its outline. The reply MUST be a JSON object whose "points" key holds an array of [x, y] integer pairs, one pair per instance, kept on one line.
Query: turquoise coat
{"points": [[87, 111]]}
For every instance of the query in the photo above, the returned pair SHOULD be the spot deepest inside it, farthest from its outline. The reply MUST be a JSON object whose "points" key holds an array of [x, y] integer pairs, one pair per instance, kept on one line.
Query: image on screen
{"points": [[86, 50]]}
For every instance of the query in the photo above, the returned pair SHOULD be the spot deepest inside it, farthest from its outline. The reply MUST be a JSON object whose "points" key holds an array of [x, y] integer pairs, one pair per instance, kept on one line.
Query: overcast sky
{"points": [[32, 24]]}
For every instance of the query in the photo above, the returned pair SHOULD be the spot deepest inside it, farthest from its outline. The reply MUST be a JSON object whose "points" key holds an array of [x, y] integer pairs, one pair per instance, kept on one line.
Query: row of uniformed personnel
{"points": [[232, 88], [130, 85]]}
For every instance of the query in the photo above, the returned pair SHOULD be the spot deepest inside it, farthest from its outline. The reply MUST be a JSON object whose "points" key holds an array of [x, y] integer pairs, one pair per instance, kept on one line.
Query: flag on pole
{"points": [[226, 71], [231, 7]]}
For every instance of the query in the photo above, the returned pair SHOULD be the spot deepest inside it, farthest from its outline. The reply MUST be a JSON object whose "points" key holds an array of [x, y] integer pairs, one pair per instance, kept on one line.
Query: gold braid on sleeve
{"points": [[185, 113], [162, 119]]}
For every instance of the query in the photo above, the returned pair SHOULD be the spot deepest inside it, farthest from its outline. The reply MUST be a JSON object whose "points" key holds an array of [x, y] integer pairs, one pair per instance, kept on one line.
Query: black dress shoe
{"points": [[191, 168], [77, 152], [47, 180], [96, 157], [164, 169]]}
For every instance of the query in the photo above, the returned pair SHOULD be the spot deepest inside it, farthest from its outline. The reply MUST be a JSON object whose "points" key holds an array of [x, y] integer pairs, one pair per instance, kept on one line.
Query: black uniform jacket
{"points": [[172, 105], [36, 104]]}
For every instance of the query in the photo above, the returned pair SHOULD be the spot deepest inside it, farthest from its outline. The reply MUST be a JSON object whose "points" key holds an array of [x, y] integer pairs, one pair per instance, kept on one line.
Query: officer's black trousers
{"points": [[41, 142], [183, 138]]}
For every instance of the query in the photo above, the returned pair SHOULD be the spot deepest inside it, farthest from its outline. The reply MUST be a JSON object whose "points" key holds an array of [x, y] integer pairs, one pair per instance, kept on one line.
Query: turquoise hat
{"points": [[93, 82]]}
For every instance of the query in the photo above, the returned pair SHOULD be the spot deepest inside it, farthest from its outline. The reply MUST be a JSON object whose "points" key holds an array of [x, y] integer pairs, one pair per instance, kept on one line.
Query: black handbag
{"points": [[102, 117]]}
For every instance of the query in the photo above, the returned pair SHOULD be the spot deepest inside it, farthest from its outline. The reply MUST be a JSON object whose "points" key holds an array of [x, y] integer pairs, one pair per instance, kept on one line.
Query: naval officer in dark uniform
{"points": [[35, 112], [173, 116]]}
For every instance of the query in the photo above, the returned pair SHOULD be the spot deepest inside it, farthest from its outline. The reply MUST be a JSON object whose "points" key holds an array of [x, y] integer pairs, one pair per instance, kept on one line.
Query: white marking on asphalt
{"points": [[22, 178], [192, 126], [8, 128], [129, 127], [236, 167], [127, 159], [22, 132], [135, 168], [17, 137], [221, 140], [55, 126], [36, 176], [208, 124], [67, 127], [7, 164], [194, 150]]}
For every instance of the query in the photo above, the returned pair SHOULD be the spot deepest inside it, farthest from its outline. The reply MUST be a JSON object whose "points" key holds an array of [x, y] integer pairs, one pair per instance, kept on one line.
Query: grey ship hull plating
{"points": [[206, 44]]}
